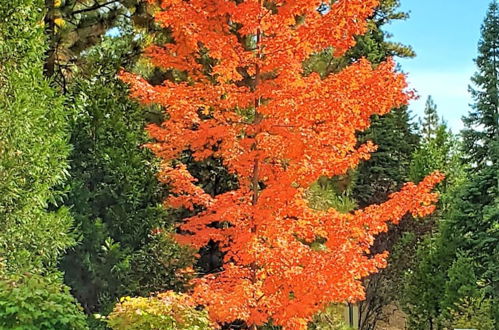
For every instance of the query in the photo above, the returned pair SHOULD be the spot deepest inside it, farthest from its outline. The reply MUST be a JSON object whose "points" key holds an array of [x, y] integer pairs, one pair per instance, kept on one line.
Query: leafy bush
{"points": [[33, 145], [161, 265], [168, 310], [472, 313], [329, 319], [36, 302]]}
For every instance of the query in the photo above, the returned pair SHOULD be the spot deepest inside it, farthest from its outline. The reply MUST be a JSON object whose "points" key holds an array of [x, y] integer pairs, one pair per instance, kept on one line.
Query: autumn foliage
{"points": [[278, 130]]}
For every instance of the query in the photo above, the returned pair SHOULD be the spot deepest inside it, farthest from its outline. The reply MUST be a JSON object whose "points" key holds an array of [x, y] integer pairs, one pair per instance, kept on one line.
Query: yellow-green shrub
{"points": [[167, 310]]}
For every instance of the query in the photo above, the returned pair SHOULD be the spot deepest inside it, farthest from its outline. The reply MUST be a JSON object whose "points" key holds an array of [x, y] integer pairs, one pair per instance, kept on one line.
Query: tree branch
{"points": [[97, 6]]}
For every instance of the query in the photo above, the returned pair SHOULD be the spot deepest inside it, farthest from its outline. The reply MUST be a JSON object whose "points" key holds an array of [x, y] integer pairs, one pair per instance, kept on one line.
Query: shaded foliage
{"points": [[114, 195]]}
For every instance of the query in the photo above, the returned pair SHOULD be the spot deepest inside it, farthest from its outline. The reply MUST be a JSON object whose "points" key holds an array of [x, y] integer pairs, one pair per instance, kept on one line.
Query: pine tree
{"points": [[74, 26], [430, 122], [388, 168], [393, 133], [475, 228], [441, 152], [481, 134], [377, 178], [456, 279]]}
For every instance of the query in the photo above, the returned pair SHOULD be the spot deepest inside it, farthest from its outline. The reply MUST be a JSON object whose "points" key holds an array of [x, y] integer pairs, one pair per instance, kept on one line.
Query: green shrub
{"points": [[36, 302], [472, 313]]}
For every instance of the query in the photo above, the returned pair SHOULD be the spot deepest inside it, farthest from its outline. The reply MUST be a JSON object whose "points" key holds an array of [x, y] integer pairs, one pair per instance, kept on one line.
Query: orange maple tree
{"points": [[278, 130]]}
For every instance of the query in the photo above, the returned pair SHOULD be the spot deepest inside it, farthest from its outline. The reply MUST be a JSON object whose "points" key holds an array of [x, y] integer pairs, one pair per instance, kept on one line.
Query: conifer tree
{"points": [[430, 122], [475, 228], [376, 179], [423, 284], [387, 170], [73, 26], [456, 280]]}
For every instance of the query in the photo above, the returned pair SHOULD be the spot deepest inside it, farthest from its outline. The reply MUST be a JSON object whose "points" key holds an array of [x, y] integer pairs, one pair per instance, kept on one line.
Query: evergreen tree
{"points": [[376, 44], [124, 246], [115, 198], [481, 133], [430, 122], [475, 227], [426, 273], [377, 178], [387, 169], [456, 281], [74, 26], [442, 152]]}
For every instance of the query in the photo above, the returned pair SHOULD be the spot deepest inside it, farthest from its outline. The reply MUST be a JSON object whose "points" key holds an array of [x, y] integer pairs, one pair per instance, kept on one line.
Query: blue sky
{"points": [[444, 34]]}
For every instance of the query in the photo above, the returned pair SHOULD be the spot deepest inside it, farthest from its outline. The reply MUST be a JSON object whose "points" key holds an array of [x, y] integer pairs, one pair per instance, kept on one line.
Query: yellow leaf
{"points": [[59, 22]]}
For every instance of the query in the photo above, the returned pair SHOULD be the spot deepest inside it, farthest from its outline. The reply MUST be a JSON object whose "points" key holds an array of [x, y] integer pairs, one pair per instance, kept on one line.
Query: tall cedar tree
{"points": [[476, 225], [278, 130]]}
